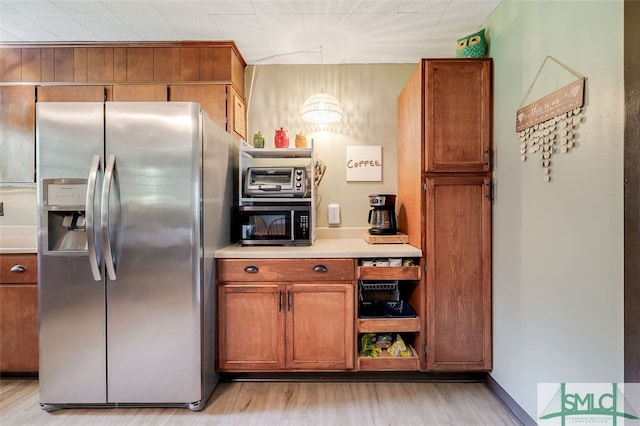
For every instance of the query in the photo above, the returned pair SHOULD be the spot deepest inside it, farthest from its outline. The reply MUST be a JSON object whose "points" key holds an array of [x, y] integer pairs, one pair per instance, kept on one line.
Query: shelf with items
{"points": [[276, 157], [397, 352], [248, 201], [276, 152], [385, 294], [276, 188], [385, 304]]}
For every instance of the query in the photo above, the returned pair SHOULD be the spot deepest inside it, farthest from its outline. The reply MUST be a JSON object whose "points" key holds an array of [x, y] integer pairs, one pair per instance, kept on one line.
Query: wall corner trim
{"points": [[508, 402]]}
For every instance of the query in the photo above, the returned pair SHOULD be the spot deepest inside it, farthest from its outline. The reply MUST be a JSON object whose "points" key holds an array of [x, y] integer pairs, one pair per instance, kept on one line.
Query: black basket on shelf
{"points": [[381, 299], [399, 309], [375, 291]]}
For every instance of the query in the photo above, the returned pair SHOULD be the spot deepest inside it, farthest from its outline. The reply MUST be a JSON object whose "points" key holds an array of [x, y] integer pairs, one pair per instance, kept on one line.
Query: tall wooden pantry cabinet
{"points": [[444, 205]]}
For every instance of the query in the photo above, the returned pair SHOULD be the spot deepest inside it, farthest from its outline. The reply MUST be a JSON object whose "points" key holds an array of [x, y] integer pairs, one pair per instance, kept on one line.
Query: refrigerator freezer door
{"points": [[71, 302], [154, 304]]}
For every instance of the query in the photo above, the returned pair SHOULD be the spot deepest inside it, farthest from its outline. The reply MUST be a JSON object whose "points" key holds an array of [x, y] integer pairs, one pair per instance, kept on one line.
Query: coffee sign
{"points": [[364, 163]]}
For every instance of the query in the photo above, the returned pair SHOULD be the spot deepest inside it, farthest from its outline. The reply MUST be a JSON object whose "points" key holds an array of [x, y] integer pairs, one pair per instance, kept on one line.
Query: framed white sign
{"points": [[364, 163]]}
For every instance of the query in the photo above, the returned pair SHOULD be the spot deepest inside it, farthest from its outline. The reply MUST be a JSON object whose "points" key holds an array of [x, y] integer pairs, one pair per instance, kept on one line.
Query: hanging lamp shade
{"points": [[321, 108]]}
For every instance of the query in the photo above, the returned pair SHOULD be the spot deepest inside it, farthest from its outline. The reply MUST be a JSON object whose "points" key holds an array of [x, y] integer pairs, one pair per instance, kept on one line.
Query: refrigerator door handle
{"points": [[89, 212], [104, 216]]}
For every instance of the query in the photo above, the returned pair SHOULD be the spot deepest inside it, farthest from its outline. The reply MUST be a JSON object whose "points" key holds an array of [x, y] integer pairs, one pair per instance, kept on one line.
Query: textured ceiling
{"points": [[265, 31]]}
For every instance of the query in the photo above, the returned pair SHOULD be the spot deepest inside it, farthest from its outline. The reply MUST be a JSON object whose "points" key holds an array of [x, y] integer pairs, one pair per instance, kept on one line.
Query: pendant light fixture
{"points": [[321, 108]]}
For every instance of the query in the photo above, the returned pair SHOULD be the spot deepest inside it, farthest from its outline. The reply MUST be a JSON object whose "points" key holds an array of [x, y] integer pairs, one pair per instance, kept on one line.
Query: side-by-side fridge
{"points": [[133, 199]]}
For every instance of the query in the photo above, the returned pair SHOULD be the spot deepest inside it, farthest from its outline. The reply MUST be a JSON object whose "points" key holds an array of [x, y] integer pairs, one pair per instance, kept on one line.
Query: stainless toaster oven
{"points": [[276, 182]]}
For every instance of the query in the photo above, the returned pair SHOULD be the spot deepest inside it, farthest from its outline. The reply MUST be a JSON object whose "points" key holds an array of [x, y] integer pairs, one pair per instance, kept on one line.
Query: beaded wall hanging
{"points": [[550, 124]]}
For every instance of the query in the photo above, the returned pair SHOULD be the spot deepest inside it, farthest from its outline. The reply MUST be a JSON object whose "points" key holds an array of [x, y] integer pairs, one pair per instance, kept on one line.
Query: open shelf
{"points": [[275, 200], [277, 152], [388, 325], [386, 362], [386, 313], [279, 158]]}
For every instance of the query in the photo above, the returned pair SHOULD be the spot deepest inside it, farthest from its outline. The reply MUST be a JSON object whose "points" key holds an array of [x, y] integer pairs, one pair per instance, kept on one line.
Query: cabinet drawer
{"points": [[389, 272], [291, 270], [29, 275]]}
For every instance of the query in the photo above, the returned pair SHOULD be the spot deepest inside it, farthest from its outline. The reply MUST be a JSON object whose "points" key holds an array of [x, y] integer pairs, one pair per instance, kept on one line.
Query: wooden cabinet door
{"points": [[19, 328], [236, 113], [73, 93], [458, 278], [18, 314], [320, 324], [251, 327], [224, 104], [139, 92], [17, 134], [211, 97], [458, 119]]}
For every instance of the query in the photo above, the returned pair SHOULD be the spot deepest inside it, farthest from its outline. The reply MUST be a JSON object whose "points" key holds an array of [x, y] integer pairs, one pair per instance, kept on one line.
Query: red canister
{"points": [[281, 139]]}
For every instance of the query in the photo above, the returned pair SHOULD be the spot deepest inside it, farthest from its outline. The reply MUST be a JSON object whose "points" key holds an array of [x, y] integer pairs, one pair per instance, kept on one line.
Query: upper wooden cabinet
{"points": [[453, 100], [219, 62], [222, 102], [153, 92], [74, 93], [444, 125], [17, 134], [211, 73], [211, 97]]}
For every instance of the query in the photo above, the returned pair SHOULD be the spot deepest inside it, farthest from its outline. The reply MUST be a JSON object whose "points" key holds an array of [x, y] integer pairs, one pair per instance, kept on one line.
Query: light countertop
{"points": [[345, 244], [323, 248], [18, 239]]}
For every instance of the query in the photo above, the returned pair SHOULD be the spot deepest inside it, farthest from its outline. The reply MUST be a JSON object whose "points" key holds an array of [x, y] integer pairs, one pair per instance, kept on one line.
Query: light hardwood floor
{"points": [[282, 404]]}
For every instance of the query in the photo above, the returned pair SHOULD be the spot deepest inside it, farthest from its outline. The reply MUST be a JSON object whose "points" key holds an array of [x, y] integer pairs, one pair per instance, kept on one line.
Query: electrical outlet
{"points": [[334, 214], [1, 208]]}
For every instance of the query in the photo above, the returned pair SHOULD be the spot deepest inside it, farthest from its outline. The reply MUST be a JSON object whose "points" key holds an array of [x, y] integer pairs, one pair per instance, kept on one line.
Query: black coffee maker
{"points": [[382, 216]]}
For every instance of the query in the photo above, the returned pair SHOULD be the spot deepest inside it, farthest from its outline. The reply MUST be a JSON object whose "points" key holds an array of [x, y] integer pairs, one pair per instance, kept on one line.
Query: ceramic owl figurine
{"points": [[472, 46]]}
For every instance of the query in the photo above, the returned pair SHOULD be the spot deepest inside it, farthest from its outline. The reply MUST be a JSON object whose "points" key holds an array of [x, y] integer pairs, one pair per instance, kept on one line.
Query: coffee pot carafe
{"points": [[382, 216]]}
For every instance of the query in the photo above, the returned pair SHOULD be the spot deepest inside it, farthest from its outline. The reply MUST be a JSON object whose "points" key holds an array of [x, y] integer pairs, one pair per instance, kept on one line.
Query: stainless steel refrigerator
{"points": [[133, 199]]}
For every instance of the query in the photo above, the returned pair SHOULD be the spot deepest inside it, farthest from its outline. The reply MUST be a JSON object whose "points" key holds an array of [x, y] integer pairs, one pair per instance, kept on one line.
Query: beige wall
{"points": [[275, 94], [19, 205], [558, 246], [368, 95]]}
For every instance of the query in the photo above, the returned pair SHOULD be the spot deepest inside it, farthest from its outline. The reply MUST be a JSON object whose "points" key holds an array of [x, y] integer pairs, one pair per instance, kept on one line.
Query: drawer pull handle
{"points": [[320, 268], [251, 269], [18, 268]]}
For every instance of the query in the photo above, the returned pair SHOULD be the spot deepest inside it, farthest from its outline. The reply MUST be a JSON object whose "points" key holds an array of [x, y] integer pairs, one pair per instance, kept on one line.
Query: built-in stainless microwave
{"points": [[285, 225]]}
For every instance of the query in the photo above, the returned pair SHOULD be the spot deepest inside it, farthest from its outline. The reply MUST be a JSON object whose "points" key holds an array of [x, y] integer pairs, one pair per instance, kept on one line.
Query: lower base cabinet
{"points": [[286, 315], [18, 314], [279, 315]]}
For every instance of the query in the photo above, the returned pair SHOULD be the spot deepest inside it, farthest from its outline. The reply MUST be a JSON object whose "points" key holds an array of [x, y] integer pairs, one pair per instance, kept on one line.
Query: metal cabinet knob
{"points": [[251, 269], [18, 268], [320, 268]]}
